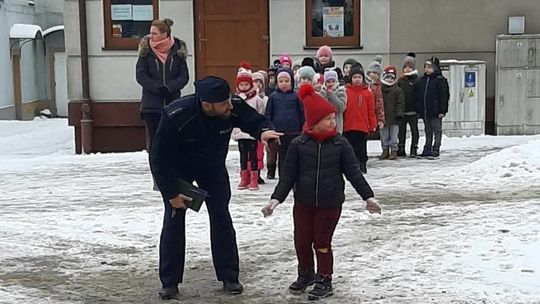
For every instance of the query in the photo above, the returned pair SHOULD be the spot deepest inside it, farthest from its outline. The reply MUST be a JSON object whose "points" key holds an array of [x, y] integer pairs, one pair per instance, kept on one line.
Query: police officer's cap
{"points": [[212, 89]]}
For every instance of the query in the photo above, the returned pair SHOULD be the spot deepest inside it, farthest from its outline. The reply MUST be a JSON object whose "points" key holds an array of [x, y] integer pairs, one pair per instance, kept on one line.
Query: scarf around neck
{"points": [[320, 136], [162, 48]]}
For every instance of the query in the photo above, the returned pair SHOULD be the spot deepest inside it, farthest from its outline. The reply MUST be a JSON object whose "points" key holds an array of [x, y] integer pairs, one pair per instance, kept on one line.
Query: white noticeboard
{"points": [[121, 12], [143, 13], [333, 24]]}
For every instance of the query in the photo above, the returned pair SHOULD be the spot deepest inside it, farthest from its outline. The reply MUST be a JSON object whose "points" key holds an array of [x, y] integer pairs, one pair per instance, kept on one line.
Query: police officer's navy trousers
{"points": [[222, 235]]}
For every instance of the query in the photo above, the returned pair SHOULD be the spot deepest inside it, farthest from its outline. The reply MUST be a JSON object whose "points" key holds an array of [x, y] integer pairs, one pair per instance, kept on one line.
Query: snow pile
{"points": [[519, 164]]}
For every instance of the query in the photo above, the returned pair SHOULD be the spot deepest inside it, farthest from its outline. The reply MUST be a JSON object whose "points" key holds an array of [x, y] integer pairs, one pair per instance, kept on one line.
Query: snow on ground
{"points": [[85, 229]]}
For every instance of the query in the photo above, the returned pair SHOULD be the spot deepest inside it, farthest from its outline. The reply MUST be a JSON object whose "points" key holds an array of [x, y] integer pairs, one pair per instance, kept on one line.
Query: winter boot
{"points": [[271, 171], [426, 152], [168, 293], [435, 152], [393, 155], [244, 180], [233, 288], [401, 151], [253, 183], [385, 154], [363, 168], [305, 279], [413, 152], [322, 288]]}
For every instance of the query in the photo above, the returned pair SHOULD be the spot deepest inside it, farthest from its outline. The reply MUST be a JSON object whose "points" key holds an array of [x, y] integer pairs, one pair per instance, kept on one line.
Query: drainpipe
{"points": [[86, 121]]}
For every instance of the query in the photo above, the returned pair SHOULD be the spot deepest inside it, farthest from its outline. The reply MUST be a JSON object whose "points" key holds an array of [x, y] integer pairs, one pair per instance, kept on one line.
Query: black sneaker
{"points": [[168, 293], [401, 152], [305, 279], [232, 287], [435, 152], [322, 289]]}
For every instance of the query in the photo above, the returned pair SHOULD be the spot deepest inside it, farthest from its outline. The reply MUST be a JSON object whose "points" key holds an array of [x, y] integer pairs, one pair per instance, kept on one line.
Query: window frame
{"points": [[345, 42], [115, 43]]}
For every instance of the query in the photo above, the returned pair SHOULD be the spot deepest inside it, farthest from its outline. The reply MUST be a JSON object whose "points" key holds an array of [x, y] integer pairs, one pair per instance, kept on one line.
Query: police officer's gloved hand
{"points": [[372, 205], [269, 208], [164, 91]]}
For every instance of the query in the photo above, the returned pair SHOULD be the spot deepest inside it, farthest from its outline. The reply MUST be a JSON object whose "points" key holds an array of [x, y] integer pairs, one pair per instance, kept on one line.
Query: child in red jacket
{"points": [[315, 165], [359, 117]]}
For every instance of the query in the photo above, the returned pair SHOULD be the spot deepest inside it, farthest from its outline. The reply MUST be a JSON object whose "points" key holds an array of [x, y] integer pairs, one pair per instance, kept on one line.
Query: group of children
{"points": [[364, 100], [326, 115]]}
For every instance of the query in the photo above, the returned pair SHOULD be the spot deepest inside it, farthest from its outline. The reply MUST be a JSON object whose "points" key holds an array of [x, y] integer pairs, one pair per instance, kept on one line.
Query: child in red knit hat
{"points": [[247, 145], [315, 165]]}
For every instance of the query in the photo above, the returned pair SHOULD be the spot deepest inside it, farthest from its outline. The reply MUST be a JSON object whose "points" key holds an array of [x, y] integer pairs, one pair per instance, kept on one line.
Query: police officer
{"points": [[191, 144]]}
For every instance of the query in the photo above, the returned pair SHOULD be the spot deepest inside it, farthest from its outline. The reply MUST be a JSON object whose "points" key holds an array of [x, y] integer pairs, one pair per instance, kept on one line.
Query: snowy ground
{"points": [[84, 229]]}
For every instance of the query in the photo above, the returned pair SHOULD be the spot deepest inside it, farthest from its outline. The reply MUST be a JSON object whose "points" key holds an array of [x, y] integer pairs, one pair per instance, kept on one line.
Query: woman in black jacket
{"points": [[161, 71], [315, 164]]}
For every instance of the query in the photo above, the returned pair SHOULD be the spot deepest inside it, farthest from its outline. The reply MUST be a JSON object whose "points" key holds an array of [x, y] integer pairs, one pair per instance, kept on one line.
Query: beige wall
{"points": [[112, 73], [460, 29]]}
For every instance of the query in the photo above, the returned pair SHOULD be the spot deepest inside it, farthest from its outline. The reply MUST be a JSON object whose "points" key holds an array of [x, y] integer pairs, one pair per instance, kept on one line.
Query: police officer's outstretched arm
{"points": [[248, 120], [163, 157]]}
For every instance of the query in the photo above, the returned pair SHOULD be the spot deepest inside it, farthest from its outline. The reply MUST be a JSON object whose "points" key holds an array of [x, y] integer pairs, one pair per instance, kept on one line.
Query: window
{"points": [[127, 21], [333, 22]]}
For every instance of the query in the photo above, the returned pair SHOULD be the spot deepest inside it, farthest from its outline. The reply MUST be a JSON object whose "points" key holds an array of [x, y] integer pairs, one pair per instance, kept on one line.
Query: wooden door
{"points": [[227, 32]]}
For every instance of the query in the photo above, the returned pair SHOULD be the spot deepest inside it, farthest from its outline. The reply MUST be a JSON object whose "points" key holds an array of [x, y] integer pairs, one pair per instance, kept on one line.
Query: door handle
{"points": [[501, 101]]}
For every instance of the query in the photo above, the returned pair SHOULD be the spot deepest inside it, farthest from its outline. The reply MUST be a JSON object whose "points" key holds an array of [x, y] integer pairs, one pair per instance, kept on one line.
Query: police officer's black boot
{"points": [[271, 171], [305, 279], [233, 287], [168, 293], [322, 288]]}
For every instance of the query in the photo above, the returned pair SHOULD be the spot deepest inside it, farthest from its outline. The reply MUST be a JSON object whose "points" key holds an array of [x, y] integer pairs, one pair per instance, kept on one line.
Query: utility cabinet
{"points": [[517, 104], [466, 107]]}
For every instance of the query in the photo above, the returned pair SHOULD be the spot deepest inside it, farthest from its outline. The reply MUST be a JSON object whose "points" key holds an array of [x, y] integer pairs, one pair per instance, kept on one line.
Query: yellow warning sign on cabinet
{"points": [[471, 93]]}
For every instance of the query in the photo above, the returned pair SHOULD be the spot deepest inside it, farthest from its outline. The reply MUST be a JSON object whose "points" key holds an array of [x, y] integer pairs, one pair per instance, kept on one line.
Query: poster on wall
{"points": [[143, 13], [333, 25], [121, 12]]}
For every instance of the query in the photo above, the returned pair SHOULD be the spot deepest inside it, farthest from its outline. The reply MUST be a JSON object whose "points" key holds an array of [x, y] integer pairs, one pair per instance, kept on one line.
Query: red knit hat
{"points": [[244, 74], [315, 106]]}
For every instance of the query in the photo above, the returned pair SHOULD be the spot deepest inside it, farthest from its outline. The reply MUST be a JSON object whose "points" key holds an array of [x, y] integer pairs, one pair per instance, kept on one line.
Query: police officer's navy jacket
{"points": [[188, 142]]}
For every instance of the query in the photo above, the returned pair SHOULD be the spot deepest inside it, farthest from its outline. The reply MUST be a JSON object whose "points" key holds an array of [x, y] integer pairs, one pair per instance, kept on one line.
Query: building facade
{"points": [[221, 33], [29, 39]]}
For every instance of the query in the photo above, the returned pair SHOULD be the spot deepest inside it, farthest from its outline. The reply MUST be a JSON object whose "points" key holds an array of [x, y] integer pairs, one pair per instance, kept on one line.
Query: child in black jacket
{"points": [[317, 160]]}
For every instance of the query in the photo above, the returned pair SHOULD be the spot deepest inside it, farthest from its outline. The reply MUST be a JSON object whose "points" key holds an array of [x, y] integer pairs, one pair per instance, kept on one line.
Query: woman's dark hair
{"points": [[164, 25]]}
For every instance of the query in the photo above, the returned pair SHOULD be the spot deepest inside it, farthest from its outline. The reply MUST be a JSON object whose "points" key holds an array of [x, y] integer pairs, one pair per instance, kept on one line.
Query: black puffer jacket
{"points": [[432, 95], [407, 84], [153, 75], [316, 172]]}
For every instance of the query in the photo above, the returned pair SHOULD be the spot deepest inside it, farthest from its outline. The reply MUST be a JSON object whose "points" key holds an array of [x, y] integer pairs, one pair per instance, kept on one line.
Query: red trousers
{"points": [[313, 230]]}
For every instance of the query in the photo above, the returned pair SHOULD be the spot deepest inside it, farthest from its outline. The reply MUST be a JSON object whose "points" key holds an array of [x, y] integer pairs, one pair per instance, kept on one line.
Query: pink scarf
{"points": [[162, 48]]}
